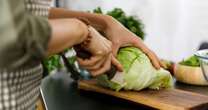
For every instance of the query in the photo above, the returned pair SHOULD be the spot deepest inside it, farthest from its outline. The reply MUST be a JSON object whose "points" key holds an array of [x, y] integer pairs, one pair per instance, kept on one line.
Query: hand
{"points": [[102, 57], [121, 37]]}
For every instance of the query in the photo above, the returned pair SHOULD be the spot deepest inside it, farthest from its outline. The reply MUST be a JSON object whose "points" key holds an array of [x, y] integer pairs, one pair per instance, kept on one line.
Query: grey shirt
{"points": [[24, 33]]}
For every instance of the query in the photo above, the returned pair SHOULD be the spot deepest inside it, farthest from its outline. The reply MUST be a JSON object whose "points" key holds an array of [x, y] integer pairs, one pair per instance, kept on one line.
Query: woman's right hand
{"points": [[102, 57]]}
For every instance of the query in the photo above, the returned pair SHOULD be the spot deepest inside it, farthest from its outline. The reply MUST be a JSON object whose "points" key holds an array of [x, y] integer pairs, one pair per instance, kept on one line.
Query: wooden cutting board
{"points": [[164, 99]]}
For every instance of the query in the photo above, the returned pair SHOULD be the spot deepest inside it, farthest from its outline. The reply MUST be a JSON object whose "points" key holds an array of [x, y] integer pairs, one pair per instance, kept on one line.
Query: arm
{"points": [[97, 20], [25, 37], [99, 47], [65, 34], [114, 31]]}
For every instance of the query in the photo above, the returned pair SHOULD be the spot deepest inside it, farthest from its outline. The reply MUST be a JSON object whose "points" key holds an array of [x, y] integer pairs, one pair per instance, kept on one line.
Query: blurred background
{"points": [[174, 28]]}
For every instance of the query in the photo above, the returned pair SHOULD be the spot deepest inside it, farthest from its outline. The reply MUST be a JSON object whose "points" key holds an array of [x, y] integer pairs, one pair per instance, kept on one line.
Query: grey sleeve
{"points": [[23, 37]]}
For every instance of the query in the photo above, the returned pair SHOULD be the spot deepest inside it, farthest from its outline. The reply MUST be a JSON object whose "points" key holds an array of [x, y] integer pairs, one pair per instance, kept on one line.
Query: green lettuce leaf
{"points": [[191, 61], [138, 73]]}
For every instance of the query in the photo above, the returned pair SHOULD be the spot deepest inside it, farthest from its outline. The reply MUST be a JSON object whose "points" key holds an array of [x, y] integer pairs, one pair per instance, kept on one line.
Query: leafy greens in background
{"points": [[52, 63], [130, 22]]}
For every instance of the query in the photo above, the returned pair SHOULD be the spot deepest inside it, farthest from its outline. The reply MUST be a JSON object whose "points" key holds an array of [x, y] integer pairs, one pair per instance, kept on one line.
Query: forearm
{"points": [[65, 34], [98, 21]]}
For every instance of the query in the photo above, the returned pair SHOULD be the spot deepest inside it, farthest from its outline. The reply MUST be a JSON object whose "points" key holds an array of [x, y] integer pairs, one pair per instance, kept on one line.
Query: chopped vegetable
{"points": [[138, 73], [191, 61]]}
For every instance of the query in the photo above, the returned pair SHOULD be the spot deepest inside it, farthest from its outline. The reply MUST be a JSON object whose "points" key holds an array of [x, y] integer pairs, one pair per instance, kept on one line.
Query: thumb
{"points": [[117, 64], [115, 49]]}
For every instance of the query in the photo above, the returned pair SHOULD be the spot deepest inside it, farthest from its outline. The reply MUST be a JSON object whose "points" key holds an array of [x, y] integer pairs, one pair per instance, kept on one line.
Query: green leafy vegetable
{"points": [[130, 22], [52, 63], [191, 61], [138, 73], [98, 10]]}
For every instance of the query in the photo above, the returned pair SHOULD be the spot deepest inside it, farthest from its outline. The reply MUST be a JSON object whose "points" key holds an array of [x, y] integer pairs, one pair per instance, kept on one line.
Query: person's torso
{"points": [[38, 7], [22, 85]]}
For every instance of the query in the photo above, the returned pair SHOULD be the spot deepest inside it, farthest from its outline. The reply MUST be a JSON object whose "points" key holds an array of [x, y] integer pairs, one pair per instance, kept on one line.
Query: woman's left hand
{"points": [[121, 37]]}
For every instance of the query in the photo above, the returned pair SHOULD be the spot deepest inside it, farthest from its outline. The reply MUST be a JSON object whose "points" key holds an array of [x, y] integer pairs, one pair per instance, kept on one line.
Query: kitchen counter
{"points": [[61, 93]]}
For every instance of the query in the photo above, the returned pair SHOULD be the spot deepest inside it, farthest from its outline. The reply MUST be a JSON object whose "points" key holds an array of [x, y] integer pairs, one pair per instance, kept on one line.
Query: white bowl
{"points": [[203, 58]]}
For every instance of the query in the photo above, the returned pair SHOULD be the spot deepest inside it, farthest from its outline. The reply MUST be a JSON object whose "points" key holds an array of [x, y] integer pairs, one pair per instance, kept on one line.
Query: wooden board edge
{"points": [[162, 106]]}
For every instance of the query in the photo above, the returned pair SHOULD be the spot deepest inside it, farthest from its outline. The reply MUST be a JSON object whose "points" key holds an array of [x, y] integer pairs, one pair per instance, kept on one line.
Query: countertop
{"points": [[61, 93]]}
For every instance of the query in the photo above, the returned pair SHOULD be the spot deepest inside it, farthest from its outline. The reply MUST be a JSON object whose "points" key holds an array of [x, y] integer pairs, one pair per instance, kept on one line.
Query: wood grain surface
{"points": [[164, 99]]}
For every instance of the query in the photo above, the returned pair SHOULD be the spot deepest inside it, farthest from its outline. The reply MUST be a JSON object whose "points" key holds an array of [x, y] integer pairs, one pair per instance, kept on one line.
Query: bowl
{"points": [[189, 75]]}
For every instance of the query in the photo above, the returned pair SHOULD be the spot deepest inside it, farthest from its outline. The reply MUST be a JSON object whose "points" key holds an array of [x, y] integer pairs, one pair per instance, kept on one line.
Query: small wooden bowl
{"points": [[190, 75]]}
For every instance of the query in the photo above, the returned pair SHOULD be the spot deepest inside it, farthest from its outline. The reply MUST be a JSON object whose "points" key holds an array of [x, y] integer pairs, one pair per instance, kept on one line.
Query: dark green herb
{"points": [[132, 23], [98, 10]]}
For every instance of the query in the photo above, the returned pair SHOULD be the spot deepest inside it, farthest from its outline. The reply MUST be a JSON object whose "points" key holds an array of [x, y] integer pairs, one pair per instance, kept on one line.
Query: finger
{"points": [[103, 69], [155, 61], [109, 46], [100, 62], [89, 62], [161, 64], [96, 66], [117, 64], [153, 58], [115, 49]]}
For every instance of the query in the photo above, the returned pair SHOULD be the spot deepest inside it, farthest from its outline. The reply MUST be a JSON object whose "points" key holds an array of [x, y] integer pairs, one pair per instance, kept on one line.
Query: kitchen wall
{"points": [[174, 28]]}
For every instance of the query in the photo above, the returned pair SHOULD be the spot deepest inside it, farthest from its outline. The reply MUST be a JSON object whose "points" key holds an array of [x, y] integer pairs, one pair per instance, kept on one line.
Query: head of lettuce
{"points": [[138, 73]]}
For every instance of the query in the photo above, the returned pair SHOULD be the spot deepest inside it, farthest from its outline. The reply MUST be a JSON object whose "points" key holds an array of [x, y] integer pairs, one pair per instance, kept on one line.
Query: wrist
{"points": [[111, 24], [98, 21], [87, 37], [84, 32], [109, 21]]}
